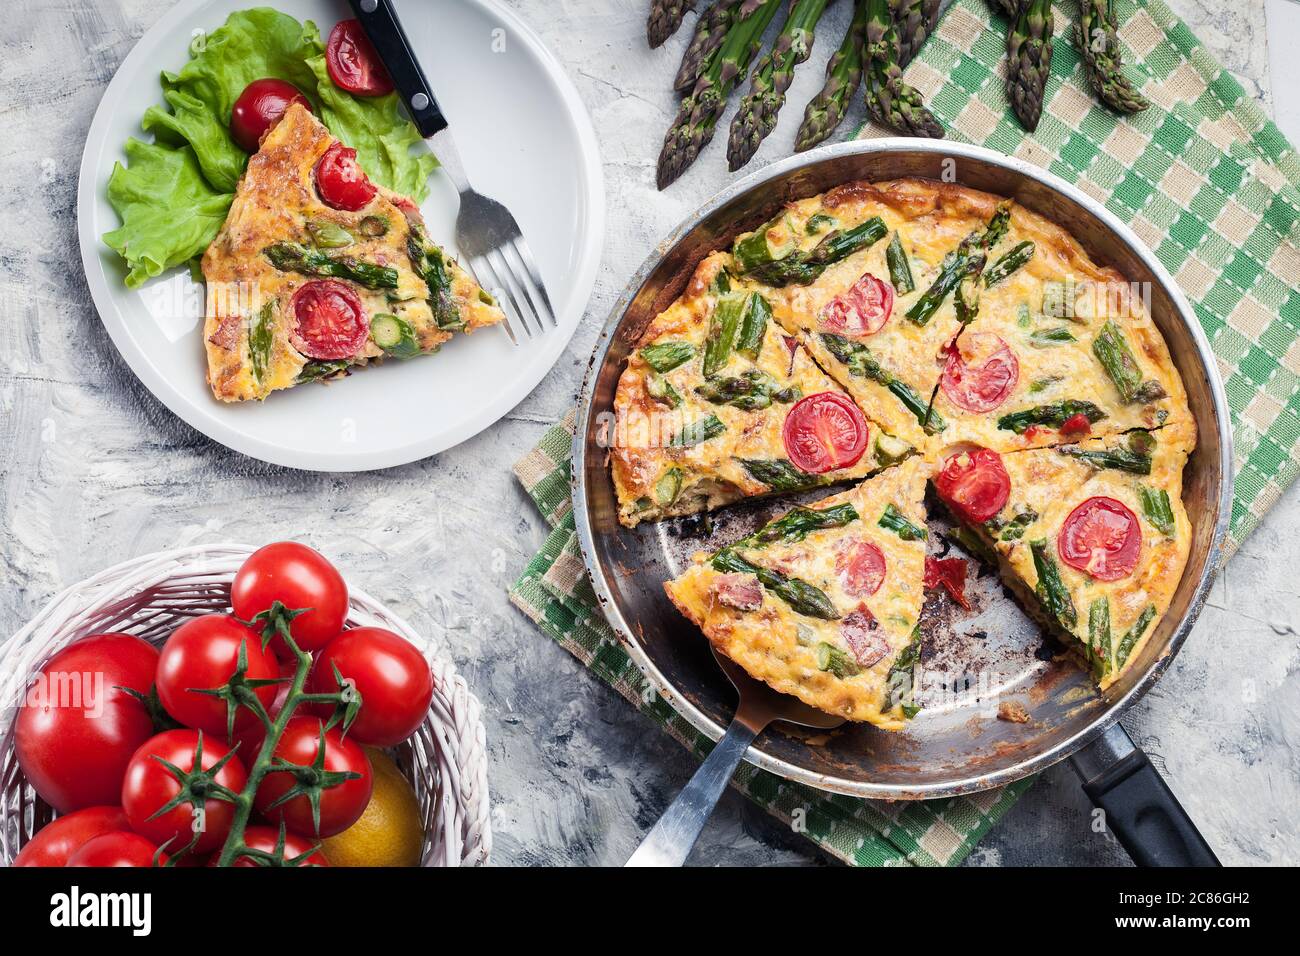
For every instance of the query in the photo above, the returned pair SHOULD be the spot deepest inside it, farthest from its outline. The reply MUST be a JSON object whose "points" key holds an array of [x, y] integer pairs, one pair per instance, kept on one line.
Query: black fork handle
{"points": [[1141, 810], [379, 20]]}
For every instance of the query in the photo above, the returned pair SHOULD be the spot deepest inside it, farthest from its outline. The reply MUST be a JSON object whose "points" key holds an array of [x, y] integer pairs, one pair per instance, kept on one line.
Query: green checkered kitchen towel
{"points": [[1204, 178], [555, 592]]}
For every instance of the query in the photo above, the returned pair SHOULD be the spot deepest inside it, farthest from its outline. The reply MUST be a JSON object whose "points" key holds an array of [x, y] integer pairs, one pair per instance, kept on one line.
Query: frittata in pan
{"points": [[317, 271], [823, 602], [717, 404], [980, 342]]}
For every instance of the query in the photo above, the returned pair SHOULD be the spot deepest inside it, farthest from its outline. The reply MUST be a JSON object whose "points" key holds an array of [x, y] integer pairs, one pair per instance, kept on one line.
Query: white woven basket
{"points": [[446, 760]]}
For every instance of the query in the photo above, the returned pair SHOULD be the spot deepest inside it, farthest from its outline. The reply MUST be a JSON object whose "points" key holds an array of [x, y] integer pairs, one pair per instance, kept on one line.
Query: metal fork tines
{"points": [[495, 250]]}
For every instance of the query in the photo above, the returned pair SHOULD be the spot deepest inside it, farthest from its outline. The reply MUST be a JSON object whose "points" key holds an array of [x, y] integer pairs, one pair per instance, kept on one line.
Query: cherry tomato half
{"points": [[119, 848], [78, 725], [150, 785], [353, 63], [298, 577], [974, 483], [981, 372], [823, 432], [1101, 538], [861, 310], [861, 567], [341, 182], [262, 104], [341, 805], [392, 677], [329, 321], [265, 839], [202, 654], [55, 842]]}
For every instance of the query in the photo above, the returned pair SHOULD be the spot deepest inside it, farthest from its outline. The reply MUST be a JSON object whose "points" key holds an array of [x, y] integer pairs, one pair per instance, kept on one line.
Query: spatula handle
{"points": [[670, 842]]}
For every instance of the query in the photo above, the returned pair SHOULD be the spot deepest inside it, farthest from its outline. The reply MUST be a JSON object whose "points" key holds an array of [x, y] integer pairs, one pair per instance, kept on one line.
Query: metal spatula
{"points": [[670, 842]]}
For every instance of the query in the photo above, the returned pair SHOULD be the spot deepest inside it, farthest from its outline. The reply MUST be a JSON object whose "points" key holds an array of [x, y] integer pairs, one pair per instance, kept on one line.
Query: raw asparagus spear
{"points": [[756, 116], [843, 76], [1029, 60], [1095, 36], [700, 109], [710, 29], [293, 257], [665, 18], [889, 100], [914, 20]]}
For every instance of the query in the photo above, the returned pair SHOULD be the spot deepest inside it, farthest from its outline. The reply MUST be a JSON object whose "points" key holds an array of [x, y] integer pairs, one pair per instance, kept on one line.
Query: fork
{"points": [[490, 240]]}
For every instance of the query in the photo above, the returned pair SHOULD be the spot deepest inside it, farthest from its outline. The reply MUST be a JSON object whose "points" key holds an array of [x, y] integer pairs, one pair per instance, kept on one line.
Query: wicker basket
{"points": [[446, 760]]}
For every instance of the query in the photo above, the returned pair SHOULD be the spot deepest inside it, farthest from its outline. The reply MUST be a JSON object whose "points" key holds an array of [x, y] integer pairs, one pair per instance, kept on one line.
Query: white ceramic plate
{"points": [[525, 136]]}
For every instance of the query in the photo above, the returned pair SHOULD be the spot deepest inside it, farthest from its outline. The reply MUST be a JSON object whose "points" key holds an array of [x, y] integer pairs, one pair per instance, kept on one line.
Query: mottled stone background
{"points": [[94, 470]]}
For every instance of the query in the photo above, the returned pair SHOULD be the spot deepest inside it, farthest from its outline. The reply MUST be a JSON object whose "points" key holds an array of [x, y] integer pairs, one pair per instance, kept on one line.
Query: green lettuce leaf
{"points": [[169, 211], [193, 165]]}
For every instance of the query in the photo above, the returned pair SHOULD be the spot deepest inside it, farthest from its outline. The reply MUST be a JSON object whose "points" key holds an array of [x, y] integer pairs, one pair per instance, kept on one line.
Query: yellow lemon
{"points": [[389, 833]]}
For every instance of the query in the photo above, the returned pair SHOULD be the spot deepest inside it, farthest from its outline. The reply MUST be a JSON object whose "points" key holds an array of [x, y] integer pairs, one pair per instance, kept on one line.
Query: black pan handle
{"points": [[1141, 810], [379, 20]]}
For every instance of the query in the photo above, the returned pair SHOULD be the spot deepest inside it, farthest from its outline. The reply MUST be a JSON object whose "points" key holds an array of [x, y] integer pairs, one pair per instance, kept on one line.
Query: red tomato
{"points": [[298, 577], [266, 838], [1101, 538], [262, 104], [861, 310], [119, 848], [341, 183], [353, 63], [861, 567], [949, 574], [981, 372], [341, 805], [330, 322], [823, 432], [149, 786], [392, 677], [1076, 425], [78, 727], [202, 654], [55, 842], [974, 483]]}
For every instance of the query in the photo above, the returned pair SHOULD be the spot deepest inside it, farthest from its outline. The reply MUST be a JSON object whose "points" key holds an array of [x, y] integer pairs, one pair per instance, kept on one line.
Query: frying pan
{"points": [[956, 745]]}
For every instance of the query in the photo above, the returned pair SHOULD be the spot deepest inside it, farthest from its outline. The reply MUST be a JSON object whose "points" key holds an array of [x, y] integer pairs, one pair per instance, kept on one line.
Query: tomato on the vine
{"points": [[150, 785], [203, 654], [119, 848], [392, 677], [340, 763], [80, 723], [298, 577], [266, 839], [55, 842]]}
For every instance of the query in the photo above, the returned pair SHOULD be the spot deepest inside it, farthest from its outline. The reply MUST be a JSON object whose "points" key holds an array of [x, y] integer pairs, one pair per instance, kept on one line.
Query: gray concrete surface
{"points": [[93, 470]]}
